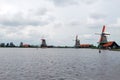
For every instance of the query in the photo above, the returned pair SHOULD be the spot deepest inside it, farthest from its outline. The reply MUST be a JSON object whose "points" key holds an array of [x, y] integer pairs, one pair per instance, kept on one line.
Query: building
{"points": [[26, 45], [85, 45], [111, 45]]}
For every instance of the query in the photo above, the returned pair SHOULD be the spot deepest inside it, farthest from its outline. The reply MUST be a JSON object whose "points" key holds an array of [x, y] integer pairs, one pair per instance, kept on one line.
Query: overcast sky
{"points": [[58, 21]]}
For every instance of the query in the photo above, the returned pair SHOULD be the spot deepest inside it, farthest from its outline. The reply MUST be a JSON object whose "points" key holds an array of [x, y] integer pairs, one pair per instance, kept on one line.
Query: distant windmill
{"points": [[77, 42], [43, 44], [103, 37]]}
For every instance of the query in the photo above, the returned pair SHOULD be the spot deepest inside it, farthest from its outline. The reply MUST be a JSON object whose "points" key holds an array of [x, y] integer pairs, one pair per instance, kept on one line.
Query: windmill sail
{"points": [[103, 30]]}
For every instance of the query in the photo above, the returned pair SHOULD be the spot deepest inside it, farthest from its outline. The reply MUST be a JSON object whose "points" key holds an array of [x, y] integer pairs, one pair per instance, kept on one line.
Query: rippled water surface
{"points": [[58, 64]]}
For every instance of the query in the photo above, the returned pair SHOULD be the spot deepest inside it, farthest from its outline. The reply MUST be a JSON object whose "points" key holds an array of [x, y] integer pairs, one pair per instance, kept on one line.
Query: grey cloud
{"points": [[39, 11], [74, 23], [14, 21], [65, 2], [34, 18], [89, 1], [72, 2], [98, 16], [95, 28]]}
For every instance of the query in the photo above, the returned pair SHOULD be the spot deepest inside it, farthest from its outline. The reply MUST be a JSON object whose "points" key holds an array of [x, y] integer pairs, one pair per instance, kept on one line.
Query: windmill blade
{"points": [[100, 39], [103, 30], [107, 34]]}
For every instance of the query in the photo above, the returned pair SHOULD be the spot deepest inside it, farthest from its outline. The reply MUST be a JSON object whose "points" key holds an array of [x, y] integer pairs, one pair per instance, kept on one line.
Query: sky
{"points": [[58, 21]]}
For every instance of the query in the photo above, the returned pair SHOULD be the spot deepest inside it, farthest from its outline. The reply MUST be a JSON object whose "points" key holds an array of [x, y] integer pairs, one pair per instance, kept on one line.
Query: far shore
{"points": [[62, 48]]}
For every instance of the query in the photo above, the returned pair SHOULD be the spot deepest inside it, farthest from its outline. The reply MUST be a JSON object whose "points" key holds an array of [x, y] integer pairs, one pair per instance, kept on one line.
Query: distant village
{"points": [[102, 44]]}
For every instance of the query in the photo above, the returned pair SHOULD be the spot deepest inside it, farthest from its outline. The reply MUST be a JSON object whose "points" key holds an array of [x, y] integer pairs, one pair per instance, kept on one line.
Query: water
{"points": [[58, 64]]}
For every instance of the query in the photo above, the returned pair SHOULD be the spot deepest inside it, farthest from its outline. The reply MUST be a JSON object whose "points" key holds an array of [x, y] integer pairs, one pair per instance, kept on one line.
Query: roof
{"points": [[108, 44], [85, 45], [26, 45]]}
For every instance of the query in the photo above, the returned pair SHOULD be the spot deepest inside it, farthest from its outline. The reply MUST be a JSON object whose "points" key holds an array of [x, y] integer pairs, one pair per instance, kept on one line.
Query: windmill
{"points": [[77, 42], [103, 37], [43, 42]]}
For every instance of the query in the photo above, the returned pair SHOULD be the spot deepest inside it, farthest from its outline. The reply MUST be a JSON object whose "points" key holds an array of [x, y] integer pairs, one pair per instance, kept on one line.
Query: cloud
{"points": [[98, 16], [74, 23], [89, 1], [37, 17], [72, 2], [116, 24], [20, 21], [97, 19], [40, 11], [64, 2], [27, 34]]}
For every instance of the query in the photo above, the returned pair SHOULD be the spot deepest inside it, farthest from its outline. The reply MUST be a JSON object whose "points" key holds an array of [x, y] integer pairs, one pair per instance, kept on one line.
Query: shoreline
{"points": [[62, 48]]}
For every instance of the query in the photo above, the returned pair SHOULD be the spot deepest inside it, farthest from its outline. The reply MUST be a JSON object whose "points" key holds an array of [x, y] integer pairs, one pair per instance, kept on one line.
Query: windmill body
{"points": [[43, 43], [77, 42]]}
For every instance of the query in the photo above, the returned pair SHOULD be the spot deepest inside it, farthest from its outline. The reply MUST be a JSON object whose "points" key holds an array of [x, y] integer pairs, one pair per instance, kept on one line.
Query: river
{"points": [[58, 64]]}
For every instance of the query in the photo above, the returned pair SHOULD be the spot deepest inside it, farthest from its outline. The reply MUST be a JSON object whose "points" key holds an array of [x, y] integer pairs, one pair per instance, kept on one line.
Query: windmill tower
{"points": [[77, 42], [103, 37], [43, 44]]}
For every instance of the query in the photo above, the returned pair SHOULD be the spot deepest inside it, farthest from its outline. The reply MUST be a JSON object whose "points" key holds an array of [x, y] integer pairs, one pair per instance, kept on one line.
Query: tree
{"points": [[2, 45], [12, 44], [7, 45]]}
